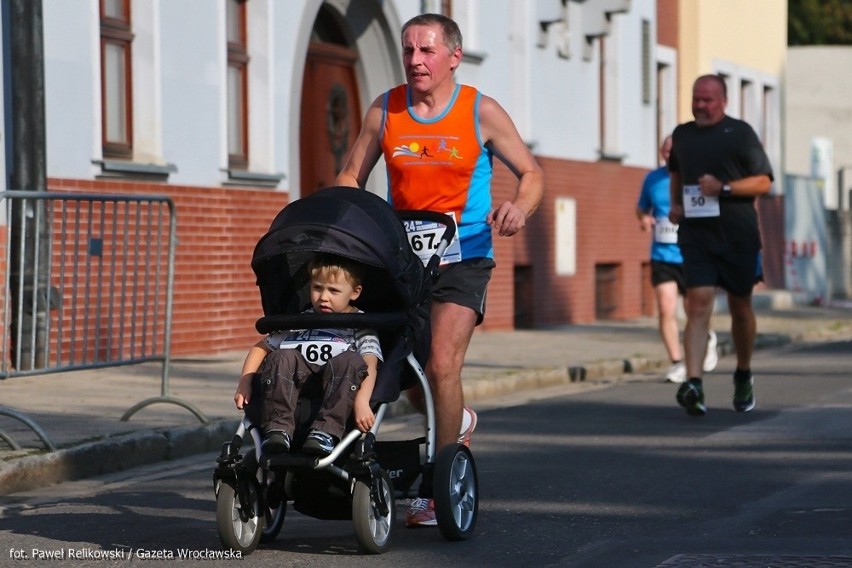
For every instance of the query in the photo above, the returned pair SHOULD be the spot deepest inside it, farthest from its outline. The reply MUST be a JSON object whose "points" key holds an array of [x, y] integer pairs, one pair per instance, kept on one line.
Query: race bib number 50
{"points": [[697, 205]]}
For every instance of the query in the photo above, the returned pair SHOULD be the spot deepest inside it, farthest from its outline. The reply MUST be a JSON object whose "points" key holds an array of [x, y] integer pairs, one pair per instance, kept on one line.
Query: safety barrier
{"points": [[89, 284]]}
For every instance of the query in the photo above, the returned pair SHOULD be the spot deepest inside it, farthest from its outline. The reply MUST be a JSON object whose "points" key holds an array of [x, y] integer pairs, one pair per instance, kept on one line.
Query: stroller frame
{"points": [[252, 490]]}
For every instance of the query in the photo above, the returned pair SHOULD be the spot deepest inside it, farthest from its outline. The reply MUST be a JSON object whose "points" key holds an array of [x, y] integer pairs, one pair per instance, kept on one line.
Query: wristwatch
{"points": [[726, 189]]}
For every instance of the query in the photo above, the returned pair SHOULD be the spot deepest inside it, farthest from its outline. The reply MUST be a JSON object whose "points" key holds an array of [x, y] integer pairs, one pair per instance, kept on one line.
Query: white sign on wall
{"points": [[566, 236], [822, 167]]}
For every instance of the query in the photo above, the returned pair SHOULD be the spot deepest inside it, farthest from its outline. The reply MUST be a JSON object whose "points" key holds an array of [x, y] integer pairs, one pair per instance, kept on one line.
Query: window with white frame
{"points": [[116, 79], [753, 96], [237, 80], [666, 92]]}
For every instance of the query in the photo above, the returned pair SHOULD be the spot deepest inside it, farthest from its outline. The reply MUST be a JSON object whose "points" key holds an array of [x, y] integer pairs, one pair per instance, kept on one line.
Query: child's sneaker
{"points": [[275, 442], [468, 425], [690, 395], [743, 391], [320, 443], [421, 513]]}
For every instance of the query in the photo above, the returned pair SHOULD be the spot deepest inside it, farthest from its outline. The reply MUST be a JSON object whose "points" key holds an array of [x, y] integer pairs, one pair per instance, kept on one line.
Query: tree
{"points": [[819, 22]]}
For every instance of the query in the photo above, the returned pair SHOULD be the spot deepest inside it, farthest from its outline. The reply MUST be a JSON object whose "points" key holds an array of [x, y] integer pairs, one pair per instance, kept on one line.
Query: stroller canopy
{"points": [[352, 223]]}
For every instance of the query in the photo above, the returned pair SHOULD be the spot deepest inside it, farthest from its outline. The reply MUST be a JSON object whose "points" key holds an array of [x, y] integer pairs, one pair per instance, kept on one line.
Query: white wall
{"points": [[71, 76], [818, 104], [553, 99]]}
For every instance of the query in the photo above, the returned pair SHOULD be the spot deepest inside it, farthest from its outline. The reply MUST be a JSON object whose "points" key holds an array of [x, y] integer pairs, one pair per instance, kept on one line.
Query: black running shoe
{"points": [[319, 443], [275, 442], [690, 395], [743, 391]]}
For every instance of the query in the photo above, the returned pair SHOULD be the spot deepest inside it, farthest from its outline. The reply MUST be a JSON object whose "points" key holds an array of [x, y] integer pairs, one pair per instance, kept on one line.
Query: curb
{"points": [[112, 455]]}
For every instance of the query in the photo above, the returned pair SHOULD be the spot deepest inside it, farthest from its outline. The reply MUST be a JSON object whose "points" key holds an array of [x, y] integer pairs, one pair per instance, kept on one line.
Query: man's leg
{"points": [[699, 309], [452, 328], [743, 328], [667, 296]]}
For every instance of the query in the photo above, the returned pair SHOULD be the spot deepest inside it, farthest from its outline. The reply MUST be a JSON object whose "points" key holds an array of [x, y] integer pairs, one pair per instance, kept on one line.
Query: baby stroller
{"points": [[364, 475]]}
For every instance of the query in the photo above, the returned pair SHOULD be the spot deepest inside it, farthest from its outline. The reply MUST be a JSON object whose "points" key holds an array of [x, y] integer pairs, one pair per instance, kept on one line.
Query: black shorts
{"points": [[465, 283], [662, 272], [737, 273]]}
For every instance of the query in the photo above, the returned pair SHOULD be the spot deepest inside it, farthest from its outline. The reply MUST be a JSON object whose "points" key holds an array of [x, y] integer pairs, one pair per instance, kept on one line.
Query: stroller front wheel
{"points": [[456, 492], [372, 525], [275, 508], [237, 519]]}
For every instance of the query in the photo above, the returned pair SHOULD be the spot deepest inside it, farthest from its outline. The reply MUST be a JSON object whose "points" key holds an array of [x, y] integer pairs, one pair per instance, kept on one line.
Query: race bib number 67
{"points": [[424, 238]]}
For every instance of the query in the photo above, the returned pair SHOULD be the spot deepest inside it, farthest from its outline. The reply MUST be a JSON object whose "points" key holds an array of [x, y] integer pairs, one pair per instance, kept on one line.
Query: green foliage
{"points": [[819, 22]]}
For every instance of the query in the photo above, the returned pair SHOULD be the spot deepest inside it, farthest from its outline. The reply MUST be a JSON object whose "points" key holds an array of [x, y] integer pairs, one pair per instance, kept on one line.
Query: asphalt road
{"points": [[597, 475]]}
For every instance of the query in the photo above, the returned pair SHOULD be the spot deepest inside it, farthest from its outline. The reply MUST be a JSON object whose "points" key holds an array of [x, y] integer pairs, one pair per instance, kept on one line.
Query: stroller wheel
{"points": [[456, 492], [275, 506], [237, 518], [372, 522]]}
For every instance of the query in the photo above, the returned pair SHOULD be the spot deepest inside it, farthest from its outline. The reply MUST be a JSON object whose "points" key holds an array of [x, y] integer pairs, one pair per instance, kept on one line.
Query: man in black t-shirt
{"points": [[718, 167]]}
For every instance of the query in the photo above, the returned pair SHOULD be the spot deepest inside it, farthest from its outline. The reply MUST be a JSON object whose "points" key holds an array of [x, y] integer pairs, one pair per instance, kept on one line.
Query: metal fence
{"points": [[89, 283]]}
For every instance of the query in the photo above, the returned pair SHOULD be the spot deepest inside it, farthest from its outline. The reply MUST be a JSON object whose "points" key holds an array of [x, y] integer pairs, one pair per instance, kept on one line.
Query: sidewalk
{"points": [[81, 411]]}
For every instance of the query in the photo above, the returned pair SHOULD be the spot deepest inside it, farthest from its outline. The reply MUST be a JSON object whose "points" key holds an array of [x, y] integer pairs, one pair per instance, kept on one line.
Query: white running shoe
{"points": [[676, 373], [711, 357], [468, 426]]}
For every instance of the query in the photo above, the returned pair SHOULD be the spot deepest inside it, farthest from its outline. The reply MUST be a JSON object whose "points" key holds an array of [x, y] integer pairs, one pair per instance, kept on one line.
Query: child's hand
{"points": [[364, 417], [243, 394]]}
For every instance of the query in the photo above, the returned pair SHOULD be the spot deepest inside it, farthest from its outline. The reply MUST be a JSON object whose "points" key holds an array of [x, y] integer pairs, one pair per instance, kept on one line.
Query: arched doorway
{"points": [[330, 111]]}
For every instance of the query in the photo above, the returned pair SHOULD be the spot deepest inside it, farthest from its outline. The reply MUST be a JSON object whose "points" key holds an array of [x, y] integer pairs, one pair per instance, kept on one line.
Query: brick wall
{"points": [[607, 232], [216, 301]]}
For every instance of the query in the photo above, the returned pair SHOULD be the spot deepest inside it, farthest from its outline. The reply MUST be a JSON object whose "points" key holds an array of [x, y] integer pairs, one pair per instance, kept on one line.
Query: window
{"points": [[646, 62], [116, 75], [238, 60], [666, 93]]}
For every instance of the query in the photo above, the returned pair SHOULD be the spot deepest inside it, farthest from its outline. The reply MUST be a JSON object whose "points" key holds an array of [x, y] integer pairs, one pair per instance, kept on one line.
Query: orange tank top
{"points": [[440, 164]]}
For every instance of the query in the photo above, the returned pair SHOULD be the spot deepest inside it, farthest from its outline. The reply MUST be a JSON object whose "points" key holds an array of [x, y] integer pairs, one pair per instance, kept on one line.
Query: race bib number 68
{"points": [[318, 352]]}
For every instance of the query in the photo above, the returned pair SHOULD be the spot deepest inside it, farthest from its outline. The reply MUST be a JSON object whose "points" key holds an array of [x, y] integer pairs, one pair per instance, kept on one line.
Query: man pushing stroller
{"points": [[338, 366]]}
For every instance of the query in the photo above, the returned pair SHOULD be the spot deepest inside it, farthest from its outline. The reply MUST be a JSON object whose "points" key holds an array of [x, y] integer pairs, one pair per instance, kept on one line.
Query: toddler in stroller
{"points": [[334, 364], [361, 475]]}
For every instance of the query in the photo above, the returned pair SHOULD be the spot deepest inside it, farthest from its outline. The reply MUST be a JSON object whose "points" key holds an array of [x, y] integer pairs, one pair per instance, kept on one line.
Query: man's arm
{"points": [[751, 186], [646, 221], [676, 197], [501, 136], [366, 150]]}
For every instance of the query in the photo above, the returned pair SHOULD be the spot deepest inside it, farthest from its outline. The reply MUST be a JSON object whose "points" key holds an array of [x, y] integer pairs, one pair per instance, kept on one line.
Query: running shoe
{"points": [[421, 513], [711, 357], [676, 373], [468, 425], [275, 442], [690, 395], [319, 443], [743, 391]]}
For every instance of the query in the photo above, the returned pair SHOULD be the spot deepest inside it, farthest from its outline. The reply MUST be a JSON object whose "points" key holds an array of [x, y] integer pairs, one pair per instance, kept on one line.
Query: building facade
{"points": [[235, 108]]}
